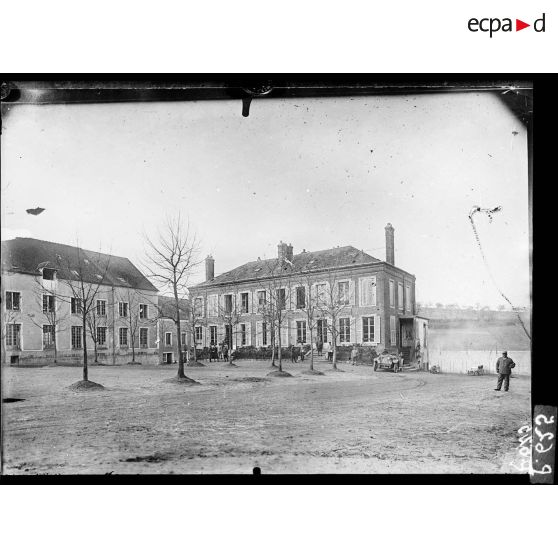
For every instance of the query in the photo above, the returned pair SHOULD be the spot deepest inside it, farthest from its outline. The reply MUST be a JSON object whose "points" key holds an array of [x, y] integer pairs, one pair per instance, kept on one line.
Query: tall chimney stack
{"points": [[290, 255], [390, 244], [209, 268], [282, 250]]}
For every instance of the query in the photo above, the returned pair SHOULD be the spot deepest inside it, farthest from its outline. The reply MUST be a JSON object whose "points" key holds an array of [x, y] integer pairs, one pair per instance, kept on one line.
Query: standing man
{"points": [[504, 367], [354, 355]]}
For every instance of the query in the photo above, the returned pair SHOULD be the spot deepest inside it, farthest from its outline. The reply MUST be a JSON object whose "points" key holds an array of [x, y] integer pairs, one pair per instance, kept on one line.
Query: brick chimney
{"points": [[390, 244], [282, 249], [290, 252], [209, 268]]}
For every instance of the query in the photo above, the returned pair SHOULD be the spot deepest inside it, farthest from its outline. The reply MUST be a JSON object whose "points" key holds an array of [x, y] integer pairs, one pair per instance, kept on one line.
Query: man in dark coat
{"points": [[504, 367]]}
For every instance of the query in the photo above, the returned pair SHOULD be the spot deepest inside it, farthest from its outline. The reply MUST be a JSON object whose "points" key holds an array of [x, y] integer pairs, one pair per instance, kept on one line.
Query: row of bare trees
{"points": [[171, 259]]}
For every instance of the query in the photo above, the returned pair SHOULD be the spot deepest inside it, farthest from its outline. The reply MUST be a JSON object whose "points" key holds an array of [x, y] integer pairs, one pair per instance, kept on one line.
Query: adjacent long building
{"points": [[45, 286]]}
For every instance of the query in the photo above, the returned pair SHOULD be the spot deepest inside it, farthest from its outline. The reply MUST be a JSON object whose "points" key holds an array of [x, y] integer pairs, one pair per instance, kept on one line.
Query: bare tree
{"points": [[309, 308], [231, 315], [332, 303], [276, 281], [83, 274], [97, 319], [54, 312], [171, 259], [195, 318]]}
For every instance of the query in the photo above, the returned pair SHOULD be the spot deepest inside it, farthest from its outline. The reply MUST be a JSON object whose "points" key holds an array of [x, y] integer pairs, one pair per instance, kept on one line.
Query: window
{"points": [[322, 330], [101, 307], [300, 297], [101, 335], [48, 274], [367, 291], [168, 338], [400, 296], [244, 303], [183, 338], [143, 312], [143, 337], [123, 336], [264, 333], [198, 306], [343, 287], [301, 331], [344, 330], [262, 300], [212, 305], [48, 304], [123, 309], [368, 330], [48, 336], [76, 337], [392, 331], [243, 336], [76, 305], [198, 333], [321, 293], [213, 334], [13, 335], [408, 298], [228, 304], [391, 293], [13, 301], [281, 299]]}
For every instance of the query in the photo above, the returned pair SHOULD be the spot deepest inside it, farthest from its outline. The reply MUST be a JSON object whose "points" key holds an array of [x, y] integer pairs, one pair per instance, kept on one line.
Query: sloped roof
{"points": [[27, 255], [167, 306], [305, 261]]}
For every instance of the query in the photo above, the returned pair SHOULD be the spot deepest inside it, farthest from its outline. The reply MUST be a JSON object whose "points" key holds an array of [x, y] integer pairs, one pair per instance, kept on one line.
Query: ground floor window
{"points": [[322, 330], [392, 331], [213, 335], [243, 336], [264, 333], [228, 335], [123, 336], [13, 335], [48, 336], [368, 330], [76, 337], [301, 331], [167, 358], [344, 330], [198, 332], [143, 337], [101, 335]]}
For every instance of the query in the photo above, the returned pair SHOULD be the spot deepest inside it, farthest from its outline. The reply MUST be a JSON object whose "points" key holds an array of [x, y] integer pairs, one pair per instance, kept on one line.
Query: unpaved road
{"points": [[351, 421]]}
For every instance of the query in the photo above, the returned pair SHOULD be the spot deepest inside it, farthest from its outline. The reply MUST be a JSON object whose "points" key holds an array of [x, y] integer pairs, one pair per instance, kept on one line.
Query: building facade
{"points": [[166, 331], [45, 286], [372, 302]]}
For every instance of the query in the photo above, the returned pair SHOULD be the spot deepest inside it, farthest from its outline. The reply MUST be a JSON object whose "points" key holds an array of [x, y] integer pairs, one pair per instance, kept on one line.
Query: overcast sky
{"points": [[316, 173]]}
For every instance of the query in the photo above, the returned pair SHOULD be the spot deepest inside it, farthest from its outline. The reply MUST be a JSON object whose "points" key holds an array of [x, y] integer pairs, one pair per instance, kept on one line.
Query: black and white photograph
{"points": [[276, 276]]}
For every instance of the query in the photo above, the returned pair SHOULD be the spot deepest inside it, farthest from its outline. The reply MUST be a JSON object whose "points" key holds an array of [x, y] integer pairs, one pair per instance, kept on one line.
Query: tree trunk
{"points": [[280, 352], [311, 352], [334, 353], [84, 335], [272, 334], [95, 349], [54, 344]]}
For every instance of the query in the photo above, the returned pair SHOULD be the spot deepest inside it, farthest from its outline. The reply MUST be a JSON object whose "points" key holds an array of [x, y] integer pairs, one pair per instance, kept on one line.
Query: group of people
{"points": [[218, 352], [320, 348]]}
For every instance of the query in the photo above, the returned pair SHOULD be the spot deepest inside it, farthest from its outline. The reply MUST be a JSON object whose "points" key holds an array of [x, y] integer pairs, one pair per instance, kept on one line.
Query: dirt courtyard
{"points": [[351, 421]]}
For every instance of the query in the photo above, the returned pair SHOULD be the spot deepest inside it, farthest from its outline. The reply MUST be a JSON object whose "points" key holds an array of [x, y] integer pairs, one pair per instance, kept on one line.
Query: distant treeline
{"points": [[440, 316]]}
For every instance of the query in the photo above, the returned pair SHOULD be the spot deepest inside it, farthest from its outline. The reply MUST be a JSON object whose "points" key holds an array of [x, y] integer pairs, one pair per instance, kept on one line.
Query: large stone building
{"points": [[370, 301], [42, 307]]}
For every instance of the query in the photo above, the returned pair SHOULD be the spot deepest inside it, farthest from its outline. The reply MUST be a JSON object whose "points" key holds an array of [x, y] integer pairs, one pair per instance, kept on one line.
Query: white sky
{"points": [[297, 170]]}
